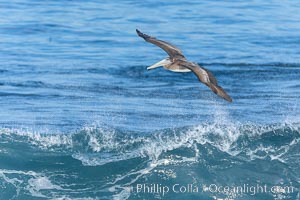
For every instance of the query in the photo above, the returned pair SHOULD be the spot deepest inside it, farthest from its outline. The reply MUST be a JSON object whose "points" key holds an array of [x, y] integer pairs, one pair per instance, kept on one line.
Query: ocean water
{"points": [[82, 118]]}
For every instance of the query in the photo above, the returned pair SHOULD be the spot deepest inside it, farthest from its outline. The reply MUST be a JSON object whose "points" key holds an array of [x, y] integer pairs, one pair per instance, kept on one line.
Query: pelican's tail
{"points": [[220, 92]]}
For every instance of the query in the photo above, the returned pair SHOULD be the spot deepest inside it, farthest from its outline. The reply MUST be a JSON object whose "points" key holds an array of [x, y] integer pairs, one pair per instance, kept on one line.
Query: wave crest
{"points": [[95, 145]]}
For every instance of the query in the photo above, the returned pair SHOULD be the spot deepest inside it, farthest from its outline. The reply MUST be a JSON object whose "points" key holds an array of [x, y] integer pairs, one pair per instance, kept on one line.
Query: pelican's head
{"points": [[163, 63]]}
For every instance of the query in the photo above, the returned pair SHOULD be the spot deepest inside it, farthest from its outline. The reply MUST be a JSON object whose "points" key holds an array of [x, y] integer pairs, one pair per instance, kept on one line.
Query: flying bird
{"points": [[176, 62]]}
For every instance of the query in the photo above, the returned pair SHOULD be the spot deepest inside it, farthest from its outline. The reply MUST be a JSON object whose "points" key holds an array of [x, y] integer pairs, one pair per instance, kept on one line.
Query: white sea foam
{"points": [[31, 181], [41, 139], [39, 183]]}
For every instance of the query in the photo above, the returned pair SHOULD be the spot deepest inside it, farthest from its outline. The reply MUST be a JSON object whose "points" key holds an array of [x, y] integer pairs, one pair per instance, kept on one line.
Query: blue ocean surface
{"points": [[82, 118]]}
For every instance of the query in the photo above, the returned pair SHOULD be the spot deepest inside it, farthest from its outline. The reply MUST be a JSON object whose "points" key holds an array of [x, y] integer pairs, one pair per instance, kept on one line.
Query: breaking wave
{"points": [[102, 147]]}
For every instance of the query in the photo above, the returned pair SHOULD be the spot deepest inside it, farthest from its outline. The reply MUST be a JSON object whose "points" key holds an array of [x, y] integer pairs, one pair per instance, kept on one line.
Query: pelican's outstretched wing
{"points": [[171, 50], [207, 78]]}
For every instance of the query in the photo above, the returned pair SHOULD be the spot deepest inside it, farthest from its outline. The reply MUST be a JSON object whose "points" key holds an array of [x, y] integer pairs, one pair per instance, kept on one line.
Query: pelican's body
{"points": [[169, 65], [176, 62]]}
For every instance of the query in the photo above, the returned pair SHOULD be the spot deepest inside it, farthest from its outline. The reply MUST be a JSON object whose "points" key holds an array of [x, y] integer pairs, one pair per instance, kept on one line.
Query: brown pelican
{"points": [[176, 62]]}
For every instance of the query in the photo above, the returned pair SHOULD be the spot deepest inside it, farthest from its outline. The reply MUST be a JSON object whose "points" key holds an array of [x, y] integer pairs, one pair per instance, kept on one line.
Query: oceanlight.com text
{"points": [[155, 188]]}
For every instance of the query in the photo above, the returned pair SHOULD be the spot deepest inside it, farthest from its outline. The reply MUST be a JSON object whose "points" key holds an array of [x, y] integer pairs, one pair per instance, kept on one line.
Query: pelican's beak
{"points": [[159, 64]]}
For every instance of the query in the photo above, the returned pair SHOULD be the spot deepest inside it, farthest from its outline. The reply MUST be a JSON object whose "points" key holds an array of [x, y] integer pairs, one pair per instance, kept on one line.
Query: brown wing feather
{"points": [[218, 90], [212, 78], [171, 50], [206, 77]]}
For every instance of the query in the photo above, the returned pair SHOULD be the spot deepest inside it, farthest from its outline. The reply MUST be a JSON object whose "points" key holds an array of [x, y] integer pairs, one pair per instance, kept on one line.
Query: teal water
{"points": [[82, 118]]}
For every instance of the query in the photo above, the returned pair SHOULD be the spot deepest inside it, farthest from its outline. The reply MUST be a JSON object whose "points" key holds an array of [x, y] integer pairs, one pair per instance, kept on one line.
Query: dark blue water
{"points": [[82, 118]]}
